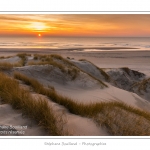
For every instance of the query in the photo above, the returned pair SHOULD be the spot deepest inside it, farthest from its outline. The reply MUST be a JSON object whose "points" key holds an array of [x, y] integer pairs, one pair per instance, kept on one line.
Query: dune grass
{"points": [[118, 118], [65, 61], [35, 57], [6, 66], [121, 122], [82, 59], [23, 57], [63, 64], [142, 85], [102, 72], [53, 95], [2, 57], [126, 69], [52, 60], [99, 81], [38, 109], [72, 69], [106, 76], [5, 57]]}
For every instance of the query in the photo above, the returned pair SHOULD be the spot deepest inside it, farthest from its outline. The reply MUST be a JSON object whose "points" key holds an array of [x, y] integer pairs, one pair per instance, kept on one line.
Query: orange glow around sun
{"points": [[92, 25], [37, 27]]}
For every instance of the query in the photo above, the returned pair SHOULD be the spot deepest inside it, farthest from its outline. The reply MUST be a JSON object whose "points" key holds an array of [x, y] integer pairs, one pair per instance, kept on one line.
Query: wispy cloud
{"points": [[77, 24]]}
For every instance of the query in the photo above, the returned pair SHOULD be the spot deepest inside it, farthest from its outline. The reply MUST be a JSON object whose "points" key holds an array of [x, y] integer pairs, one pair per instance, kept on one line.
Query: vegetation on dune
{"points": [[5, 66], [5, 57], [52, 60], [72, 70], [106, 76], [126, 69], [142, 85], [63, 64], [82, 59], [118, 118], [65, 61], [76, 70], [124, 122], [53, 95], [23, 57], [2, 57], [101, 83], [35, 57], [38, 109], [57, 56]]}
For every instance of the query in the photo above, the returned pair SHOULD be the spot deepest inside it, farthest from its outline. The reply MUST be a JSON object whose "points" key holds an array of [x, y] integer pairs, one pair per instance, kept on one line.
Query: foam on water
{"points": [[87, 44]]}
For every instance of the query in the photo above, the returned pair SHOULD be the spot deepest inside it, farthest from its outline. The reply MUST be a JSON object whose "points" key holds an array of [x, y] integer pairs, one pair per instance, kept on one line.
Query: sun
{"points": [[39, 35]]}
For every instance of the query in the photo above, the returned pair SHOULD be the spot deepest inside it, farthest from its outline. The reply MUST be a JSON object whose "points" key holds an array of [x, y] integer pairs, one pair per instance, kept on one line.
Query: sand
{"points": [[12, 118], [83, 89]]}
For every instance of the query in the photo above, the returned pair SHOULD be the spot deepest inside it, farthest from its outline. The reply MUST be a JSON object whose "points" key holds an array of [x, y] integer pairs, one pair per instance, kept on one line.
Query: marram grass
{"points": [[64, 65], [39, 110], [118, 118]]}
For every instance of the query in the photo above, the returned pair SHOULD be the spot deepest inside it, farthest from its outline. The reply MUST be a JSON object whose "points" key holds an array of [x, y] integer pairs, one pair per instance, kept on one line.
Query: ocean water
{"points": [[84, 44]]}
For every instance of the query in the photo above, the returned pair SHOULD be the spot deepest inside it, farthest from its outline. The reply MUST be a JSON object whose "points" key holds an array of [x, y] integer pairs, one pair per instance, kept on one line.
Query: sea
{"points": [[76, 43]]}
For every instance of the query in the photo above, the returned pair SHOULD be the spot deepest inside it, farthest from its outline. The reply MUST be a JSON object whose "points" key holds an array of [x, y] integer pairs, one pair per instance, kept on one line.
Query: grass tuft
{"points": [[5, 66], [142, 85], [126, 69], [38, 109], [106, 76], [82, 59], [64, 65], [23, 57]]}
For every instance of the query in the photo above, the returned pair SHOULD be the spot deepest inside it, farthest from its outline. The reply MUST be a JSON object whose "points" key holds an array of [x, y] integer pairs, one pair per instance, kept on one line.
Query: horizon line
{"points": [[46, 36]]}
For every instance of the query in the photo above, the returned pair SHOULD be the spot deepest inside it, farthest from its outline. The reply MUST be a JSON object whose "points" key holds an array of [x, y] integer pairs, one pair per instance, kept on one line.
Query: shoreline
{"points": [[75, 48]]}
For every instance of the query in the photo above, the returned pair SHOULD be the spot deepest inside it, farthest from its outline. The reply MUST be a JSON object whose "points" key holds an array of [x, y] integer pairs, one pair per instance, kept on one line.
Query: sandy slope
{"points": [[47, 74], [11, 117]]}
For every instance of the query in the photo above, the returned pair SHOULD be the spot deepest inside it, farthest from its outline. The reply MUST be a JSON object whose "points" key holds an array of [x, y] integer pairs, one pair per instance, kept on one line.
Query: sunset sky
{"points": [[75, 25]]}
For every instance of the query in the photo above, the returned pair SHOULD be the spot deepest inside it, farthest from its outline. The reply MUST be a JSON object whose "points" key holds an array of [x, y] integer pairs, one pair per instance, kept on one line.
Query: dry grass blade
{"points": [[39, 110]]}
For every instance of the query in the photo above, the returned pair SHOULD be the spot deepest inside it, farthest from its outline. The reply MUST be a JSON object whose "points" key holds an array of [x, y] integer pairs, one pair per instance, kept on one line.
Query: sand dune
{"points": [[83, 82]]}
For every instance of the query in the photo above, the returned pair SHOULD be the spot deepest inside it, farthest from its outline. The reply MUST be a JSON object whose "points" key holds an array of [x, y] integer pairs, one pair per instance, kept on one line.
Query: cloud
{"points": [[72, 24]]}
